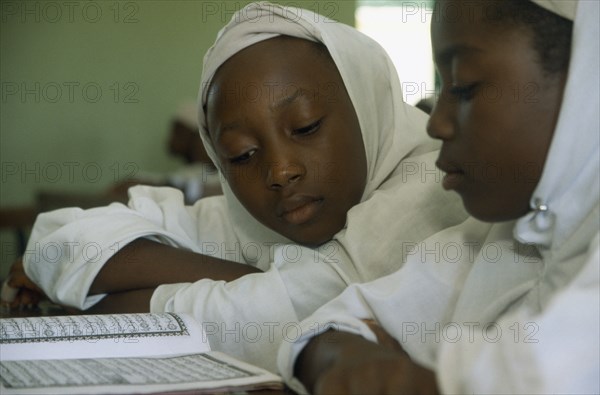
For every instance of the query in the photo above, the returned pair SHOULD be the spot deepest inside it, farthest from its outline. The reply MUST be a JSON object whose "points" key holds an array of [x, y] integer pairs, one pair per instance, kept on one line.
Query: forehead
{"points": [[279, 59], [456, 22], [464, 28], [270, 74]]}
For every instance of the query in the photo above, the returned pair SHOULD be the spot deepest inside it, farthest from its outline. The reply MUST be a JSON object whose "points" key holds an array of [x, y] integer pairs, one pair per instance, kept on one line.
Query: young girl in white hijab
{"points": [[315, 142], [496, 319]]}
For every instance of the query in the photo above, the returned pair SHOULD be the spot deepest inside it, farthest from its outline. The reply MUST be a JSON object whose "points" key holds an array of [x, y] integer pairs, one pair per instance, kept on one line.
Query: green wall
{"points": [[88, 88]]}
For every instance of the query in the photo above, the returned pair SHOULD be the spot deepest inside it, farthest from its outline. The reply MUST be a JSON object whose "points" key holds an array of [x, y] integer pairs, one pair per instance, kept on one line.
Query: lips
{"points": [[454, 175], [299, 209]]}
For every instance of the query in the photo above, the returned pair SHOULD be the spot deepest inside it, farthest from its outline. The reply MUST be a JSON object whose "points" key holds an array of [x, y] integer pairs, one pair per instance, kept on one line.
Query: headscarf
{"points": [[393, 132], [566, 9], [571, 169]]}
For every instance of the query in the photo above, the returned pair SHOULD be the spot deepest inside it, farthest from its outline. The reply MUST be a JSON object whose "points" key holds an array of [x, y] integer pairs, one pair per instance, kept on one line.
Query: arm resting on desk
{"points": [[144, 264]]}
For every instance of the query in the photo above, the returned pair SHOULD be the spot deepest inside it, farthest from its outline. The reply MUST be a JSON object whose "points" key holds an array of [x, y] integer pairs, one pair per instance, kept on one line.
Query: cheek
{"points": [[351, 160], [504, 164], [344, 169], [490, 134], [328, 172], [245, 183]]}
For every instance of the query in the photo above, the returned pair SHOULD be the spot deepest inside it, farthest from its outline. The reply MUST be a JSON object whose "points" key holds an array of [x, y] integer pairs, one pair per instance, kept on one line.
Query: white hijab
{"points": [[571, 169], [393, 134]]}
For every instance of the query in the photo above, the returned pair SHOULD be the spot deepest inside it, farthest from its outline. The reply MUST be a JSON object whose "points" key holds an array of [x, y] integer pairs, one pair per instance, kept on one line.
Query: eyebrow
{"points": [[287, 100], [445, 57], [278, 104], [226, 128]]}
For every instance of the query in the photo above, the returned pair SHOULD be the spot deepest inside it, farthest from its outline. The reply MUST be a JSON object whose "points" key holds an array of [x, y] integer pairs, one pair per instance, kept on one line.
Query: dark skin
{"points": [[295, 141], [496, 113], [131, 276], [507, 134], [382, 368], [287, 138]]}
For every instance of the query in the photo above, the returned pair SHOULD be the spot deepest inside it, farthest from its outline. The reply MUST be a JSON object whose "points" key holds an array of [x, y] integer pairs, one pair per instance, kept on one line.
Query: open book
{"points": [[118, 354]]}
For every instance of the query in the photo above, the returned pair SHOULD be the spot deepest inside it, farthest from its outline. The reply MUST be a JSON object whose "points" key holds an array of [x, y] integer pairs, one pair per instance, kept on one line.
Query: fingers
{"points": [[19, 297], [21, 281], [8, 293], [29, 298], [18, 291], [18, 279]]}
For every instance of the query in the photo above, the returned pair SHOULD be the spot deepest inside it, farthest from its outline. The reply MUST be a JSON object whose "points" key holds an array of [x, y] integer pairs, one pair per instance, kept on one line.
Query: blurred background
{"points": [[90, 91]]}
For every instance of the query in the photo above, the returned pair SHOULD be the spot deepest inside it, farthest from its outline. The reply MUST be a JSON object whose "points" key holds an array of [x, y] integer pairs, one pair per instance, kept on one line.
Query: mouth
{"points": [[454, 175], [299, 209]]}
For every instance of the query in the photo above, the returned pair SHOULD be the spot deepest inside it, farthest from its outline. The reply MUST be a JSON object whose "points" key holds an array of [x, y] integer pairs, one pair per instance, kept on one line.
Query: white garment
{"points": [[402, 205], [497, 317]]}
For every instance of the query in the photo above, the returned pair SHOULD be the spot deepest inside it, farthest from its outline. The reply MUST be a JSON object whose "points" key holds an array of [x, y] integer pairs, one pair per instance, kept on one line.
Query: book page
{"points": [[124, 375], [97, 336]]}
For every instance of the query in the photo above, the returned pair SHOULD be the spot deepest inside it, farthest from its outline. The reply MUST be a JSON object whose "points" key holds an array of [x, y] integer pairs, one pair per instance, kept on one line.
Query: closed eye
{"points": [[463, 92], [313, 127], [242, 159]]}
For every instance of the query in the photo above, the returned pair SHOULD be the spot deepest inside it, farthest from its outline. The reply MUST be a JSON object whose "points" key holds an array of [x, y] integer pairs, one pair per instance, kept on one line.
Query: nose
{"points": [[441, 124], [283, 173]]}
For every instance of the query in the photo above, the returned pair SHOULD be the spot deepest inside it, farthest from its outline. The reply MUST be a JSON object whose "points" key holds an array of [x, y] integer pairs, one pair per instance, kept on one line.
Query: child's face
{"points": [[496, 113], [288, 139]]}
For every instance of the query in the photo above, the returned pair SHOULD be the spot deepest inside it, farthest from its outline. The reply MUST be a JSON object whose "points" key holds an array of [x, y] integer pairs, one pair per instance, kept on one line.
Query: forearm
{"points": [[144, 264]]}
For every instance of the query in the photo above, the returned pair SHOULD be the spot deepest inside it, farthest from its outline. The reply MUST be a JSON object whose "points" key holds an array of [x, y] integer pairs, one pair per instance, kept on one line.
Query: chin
{"points": [[311, 241], [492, 213]]}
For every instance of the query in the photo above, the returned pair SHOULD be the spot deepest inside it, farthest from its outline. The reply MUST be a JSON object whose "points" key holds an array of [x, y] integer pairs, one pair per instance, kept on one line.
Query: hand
{"points": [[350, 364], [19, 290]]}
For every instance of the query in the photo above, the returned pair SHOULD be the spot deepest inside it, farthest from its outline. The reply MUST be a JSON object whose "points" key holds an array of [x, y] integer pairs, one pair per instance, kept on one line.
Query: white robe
{"points": [[518, 313], [402, 205]]}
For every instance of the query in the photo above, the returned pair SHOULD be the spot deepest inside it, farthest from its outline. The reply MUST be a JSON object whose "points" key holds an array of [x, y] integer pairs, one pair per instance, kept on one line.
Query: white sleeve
{"points": [[68, 247], [415, 297], [345, 313], [404, 302], [248, 317], [251, 316], [407, 304], [555, 351]]}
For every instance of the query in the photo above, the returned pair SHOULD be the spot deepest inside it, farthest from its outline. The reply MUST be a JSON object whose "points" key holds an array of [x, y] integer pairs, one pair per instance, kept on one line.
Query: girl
{"points": [[497, 319], [326, 179]]}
